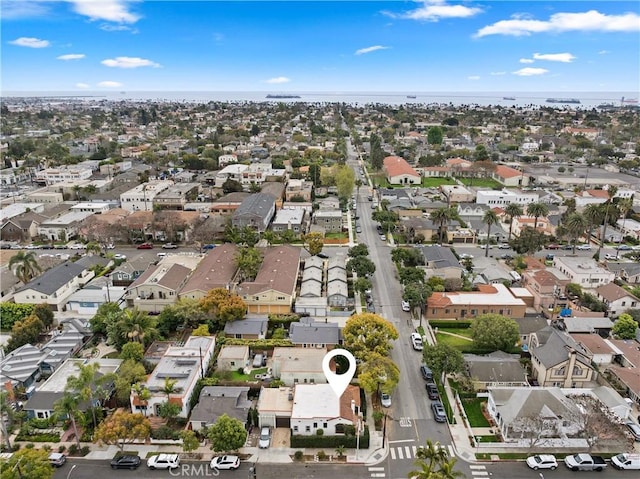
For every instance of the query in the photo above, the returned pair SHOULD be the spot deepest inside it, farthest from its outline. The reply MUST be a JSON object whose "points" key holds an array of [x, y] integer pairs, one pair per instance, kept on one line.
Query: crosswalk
{"points": [[409, 452], [377, 471], [478, 470]]}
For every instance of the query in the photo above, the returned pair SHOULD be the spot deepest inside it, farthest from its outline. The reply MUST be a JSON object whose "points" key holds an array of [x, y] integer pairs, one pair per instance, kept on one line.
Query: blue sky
{"points": [[338, 46]]}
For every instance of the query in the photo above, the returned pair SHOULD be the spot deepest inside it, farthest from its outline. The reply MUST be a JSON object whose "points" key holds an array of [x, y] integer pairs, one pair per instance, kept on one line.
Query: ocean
{"points": [[521, 99]]}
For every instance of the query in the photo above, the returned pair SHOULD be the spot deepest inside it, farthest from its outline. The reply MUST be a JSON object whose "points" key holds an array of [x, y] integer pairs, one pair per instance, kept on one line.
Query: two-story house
{"points": [[583, 271], [617, 299], [256, 212], [298, 190], [216, 270], [547, 287]]}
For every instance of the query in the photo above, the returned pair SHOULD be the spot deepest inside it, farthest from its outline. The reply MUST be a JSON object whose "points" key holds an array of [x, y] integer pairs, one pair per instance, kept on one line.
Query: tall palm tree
{"points": [[85, 384], [594, 214], [575, 224], [446, 470], [429, 459], [137, 325], [611, 193], [169, 387], [93, 248], [513, 210], [441, 217], [143, 395], [537, 210], [490, 218], [24, 266], [67, 407]]}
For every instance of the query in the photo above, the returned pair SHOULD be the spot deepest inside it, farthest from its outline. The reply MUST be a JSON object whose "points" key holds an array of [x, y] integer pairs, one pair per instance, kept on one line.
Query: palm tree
{"points": [[441, 217], [24, 266], [575, 224], [490, 218], [67, 407], [169, 387], [624, 206], [429, 459], [594, 214], [143, 395], [611, 193], [137, 325], [537, 210], [84, 385], [446, 470], [93, 247], [513, 210]]}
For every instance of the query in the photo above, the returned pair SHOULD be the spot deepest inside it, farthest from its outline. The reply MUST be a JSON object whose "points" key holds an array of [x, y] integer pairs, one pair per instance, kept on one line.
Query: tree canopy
{"points": [[27, 463], [495, 332], [443, 358], [625, 327], [227, 434], [122, 428], [378, 372], [365, 333]]}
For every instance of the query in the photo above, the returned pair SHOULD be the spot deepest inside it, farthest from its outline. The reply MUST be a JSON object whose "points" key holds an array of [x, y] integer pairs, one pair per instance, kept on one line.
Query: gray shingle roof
{"points": [[52, 280], [218, 400], [315, 333], [259, 204], [556, 350], [440, 257], [495, 367], [246, 326], [525, 402], [20, 364]]}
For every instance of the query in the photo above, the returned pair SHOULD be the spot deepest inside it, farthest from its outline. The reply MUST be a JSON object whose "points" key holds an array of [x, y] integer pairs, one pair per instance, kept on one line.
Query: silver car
{"points": [[265, 438]]}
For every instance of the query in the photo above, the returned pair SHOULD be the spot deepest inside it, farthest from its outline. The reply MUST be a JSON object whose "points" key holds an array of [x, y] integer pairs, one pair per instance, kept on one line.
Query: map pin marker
{"points": [[338, 382]]}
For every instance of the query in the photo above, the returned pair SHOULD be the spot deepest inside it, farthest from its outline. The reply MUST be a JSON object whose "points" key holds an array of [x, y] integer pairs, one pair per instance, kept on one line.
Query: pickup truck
{"points": [[585, 462]]}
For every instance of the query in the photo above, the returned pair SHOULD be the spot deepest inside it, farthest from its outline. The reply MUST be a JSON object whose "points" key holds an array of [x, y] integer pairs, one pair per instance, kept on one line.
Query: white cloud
{"points": [[604, 52], [23, 9], [473, 77], [529, 72], [110, 84], [109, 27], [526, 60], [278, 80], [30, 42], [564, 22], [129, 62], [109, 10], [434, 10], [71, 56], [497, 74], [374, 48], [555, 57], [82, 85]]}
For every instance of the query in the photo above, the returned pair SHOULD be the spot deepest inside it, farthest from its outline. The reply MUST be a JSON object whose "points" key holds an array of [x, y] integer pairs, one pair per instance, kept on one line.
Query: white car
{"points": [[163, 461], [120, 256], [265, 438], [466, 256], [385, 400], [583, 247], [542, 461], [406, 306], [221, 463], [416, 341], [610, 256]]}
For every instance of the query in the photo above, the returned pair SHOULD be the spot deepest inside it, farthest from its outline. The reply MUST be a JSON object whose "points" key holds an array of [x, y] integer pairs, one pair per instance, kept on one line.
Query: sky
{"points": [[335, 46]]}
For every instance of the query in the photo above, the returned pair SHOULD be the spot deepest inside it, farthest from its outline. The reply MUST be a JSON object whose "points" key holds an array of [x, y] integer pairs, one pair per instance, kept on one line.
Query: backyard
{"points": [[433, 182], [482, 182]]}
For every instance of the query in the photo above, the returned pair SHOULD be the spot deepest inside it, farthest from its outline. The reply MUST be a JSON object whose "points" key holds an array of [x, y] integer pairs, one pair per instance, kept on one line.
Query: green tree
{"points": [[625, 327], [428, 460], [185, 312], [227, 434], [122, 428], [7, 410], [169, 387], [513, 210], [611, 193], [530, 241], [24, 265], [360, 249], [249, 236], [132, 350], [143, 395], [189, 440], [314, 242], [376, 153], [345, 181], [10, 313], [107, 315], [594, 214], [443, 358], [28, 463], [66, 408], [411, 275], [490, 218], [202, 330], [231, 186], [93, 248], [23, 332], [494, 332], [442, 217], [362, 266], [44, 313], [361, 285], [416, 294], [137, 325], [576, 224], [168, 410], [378, 373], [537, 210], [85, 384], [365, 333], [248, 261], [129, 373], [434, 135]]}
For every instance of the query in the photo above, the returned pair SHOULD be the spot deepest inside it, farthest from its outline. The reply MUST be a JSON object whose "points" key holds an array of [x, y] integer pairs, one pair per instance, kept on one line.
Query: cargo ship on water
{"points": [[563, 100], [282, 96]]}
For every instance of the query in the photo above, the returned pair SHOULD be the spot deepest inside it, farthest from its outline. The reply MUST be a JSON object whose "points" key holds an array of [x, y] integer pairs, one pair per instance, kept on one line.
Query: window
{"points": [[307, 428], [325, 425], [232, 363], [559, 371], [315, 425], [295, 428], [577, 371]]}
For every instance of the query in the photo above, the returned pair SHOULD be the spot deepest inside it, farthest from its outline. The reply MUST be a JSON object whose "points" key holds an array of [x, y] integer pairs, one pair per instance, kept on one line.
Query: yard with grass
{"points": [[473, 408], [466, 332], [454, 341], [483, 182], [236, 376], [433, 182]]}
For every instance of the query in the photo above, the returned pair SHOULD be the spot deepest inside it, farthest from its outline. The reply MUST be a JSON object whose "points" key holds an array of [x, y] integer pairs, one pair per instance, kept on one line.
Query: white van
{"points": [[626, 461]]}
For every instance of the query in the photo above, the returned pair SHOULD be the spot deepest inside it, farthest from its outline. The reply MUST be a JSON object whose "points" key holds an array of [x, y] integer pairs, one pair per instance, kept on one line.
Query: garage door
{"points": [[283, 422]]}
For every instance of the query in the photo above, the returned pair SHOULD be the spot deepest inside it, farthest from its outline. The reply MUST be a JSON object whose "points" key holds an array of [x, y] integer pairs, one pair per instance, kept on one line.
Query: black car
{"points": [[438, 412], [427, 374], [125, 462], [322, 255], [432, 391]]}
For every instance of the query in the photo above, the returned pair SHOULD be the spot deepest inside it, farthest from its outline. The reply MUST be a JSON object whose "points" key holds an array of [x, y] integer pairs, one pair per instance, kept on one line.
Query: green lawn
{"points": [[473, 408], [437, 181], [487, 438], [466, 332], [336, 235], [453, 341], [236, 376], [485, 182]]}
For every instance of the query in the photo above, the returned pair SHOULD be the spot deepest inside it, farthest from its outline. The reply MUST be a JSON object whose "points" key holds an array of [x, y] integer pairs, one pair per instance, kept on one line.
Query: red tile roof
{"points": [[507, 172], [396, 166]]}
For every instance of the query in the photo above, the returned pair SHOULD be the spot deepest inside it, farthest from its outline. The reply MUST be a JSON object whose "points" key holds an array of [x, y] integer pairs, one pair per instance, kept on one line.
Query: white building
{"points": [[505, 197], [140, 198], [91, 207], [224, 160], [16, 209], [51, 176], [583, 271], [230, 172], [316, 406], [65, 227]]}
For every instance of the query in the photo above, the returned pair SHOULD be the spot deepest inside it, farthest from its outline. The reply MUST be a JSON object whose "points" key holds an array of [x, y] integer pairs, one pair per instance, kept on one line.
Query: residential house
{"points": [[256, 212], [557, 360], [583, 271], [62, 346], [216, 270], [441, 262], [176, 196], [289, 219], [502, 198], [96, 208], [224, 160], [457, 194], [127, 272], [140, 197], [630, 272], [227, 204], [337, 290], [183, 364], [160, 284], [89, 299], [63, 174], [509, 177], [300, 190], [230, 172], [472, 209], [316, 406], [41, 404], [311, 284], [248, 328], [617, 299], [399, 172], [329, 220], [544, 225], [274, 287], [599, 349], [588, 323], [8, 284], [495, 369], [547, 287], [21, 368], [626, 367], [233, 358], [274, 407], [218, 400], [516, 410], [54, 286], [495, 298], [599, 196], [23, 227], [308, 333], [298, 365], [527, 326], [64, 227], [629, 227]]}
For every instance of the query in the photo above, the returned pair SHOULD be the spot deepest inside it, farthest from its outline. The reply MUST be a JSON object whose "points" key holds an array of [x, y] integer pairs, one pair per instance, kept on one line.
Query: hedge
{"points": [[13, 312], [264, 344], [43, 437], [331, 442], [453, 324]]}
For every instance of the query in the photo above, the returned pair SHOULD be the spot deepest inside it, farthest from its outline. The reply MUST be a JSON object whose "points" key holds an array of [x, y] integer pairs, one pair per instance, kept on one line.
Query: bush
{"points": [[450, 324], [44, 437], [73, 449], [320, 432], [62, 448], [331, 442], [84, 450], [165, 432], [322, 456], [298, 455]]}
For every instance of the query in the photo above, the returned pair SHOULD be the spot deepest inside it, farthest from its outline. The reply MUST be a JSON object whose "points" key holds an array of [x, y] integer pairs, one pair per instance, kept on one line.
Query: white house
{"points": [[92, 207], [617, 299], [140, 198], [298, 365], [399, 172], [230, 172], [63, 174], [224, 160], [583, 271], [316, 406], [63, 228], [505, 197]]}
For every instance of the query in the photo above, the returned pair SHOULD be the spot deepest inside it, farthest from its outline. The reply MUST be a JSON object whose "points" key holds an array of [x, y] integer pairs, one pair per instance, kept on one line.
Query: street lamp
{"points": [[71, 470]]}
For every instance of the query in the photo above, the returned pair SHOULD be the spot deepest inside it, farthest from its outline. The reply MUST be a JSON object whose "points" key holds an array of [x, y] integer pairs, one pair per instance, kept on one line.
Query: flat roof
{"points": [[58, 380], [299, 359], [315, 400], [275, 400]]}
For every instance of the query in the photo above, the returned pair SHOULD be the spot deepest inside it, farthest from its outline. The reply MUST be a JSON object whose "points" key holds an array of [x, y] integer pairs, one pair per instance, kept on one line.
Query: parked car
{"points": [[466, 256], [416, 341], [265, 438], [506, 256], [624, 247], [385, 400], [163, 461], [584, 247], [634, 429], [125, 462], [119, 256], [542, 461], [432, 392], [383, 237], [406, 306], [169, 246], [626, 461], [553, 246], [610, 256], [427, 374], [585, 462], [438, 412], [145, 246], [358, 229], [222, 463], [504, 246], [567, 247], [57, 459], [208, 246]]}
